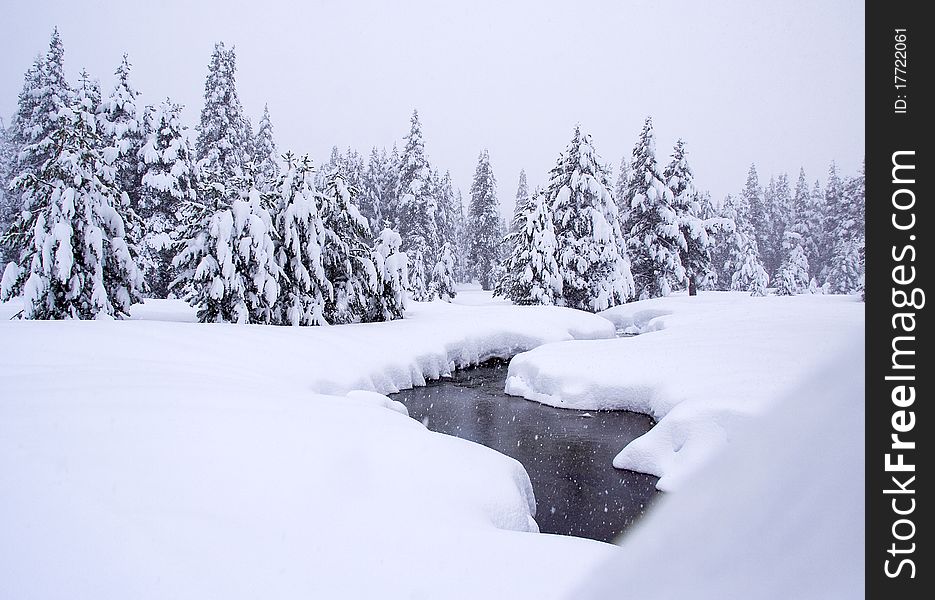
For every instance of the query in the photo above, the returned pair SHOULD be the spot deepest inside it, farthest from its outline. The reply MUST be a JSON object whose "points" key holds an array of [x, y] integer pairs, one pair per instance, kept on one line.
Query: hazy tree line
{"points": [[105, 201], [584, 243]]}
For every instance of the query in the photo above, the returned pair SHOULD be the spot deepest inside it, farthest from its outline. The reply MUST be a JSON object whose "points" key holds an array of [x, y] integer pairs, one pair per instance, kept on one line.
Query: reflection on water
{"points": [[567, 453]]}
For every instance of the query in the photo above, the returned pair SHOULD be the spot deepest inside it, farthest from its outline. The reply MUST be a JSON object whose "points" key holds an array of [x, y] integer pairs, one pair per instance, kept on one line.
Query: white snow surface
{"points": [[169, 459], [778, 515], [701, 366]]}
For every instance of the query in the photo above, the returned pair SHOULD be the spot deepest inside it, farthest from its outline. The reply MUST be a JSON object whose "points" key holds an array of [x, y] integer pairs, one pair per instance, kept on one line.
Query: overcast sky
{"points": [[780, 84]]}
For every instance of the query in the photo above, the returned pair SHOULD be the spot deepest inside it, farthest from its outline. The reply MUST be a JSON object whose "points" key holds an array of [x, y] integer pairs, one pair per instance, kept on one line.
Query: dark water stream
{"points": [[567, 453]]}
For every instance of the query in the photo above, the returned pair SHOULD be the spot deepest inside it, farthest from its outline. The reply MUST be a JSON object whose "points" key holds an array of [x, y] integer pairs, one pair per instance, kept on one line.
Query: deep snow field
{"points": [[158, 457]]}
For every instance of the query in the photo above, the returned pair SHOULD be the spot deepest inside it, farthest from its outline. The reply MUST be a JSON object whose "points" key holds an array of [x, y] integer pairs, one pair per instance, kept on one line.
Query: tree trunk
{"points": [[692, 288]]}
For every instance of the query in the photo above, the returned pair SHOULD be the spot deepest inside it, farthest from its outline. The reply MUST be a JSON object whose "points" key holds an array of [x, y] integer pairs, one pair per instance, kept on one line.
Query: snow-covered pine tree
{"points": [[418, 285], [717, 229], [743, 266], [833, 209], [696, 256], [801, 219], [519, 206], [446, 214], [122, 132], [443, 284], [757, 216], [416, 206], [390, 298], [484, 219], [347, 254], [462, 241], [374, 186], [21, 131], [77, 263], [265, 158], [169, 184], [121, 128], [9, 205], [43, 104], [227, 267], [48, 100], [258, 251], [350, 166], [818, 259], [846, 272], [846, 275], [224, 146], [590, 248], [654, 240], [392, 191], [779, 210], [768, 252], [750, 275], [793, 277], [532, 272], [17, 136], [622, 190], [721, 251], [300, 230]]}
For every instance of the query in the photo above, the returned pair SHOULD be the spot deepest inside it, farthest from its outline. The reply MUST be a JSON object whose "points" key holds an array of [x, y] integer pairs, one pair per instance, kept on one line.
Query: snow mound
{"points": [[703, 365], [780, 514], [375, 399]]}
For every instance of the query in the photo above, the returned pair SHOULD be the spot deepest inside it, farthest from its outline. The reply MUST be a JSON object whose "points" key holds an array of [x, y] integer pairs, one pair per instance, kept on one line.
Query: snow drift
{"points": [[158, 459], [703, 364], [780, 514]]}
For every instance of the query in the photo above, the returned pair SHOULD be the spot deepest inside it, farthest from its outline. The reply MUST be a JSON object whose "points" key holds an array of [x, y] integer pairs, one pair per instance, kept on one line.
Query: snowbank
{"points": [[155, 459], [780, 514], [383, 357], [702, 364]]}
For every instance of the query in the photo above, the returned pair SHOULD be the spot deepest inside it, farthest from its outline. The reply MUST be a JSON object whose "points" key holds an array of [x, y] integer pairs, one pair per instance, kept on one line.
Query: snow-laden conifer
{"points": [[227, 268], [622, 189], [43, 105], [442, 284], [793, 276], [520, 206], [589, 245], [168, 186], [347, 254], [300, 231], [265, 157], [224, 146], [695, 231], [9, 201], [121, 127], [533, 275], [847, 237], [388, 302], [379, 189], [804, 222], [46, 109], [446, 213], [756, 215], [654, 240], [743, 268], [416, 205], [418, 283], [484, 220], [76, 262]]}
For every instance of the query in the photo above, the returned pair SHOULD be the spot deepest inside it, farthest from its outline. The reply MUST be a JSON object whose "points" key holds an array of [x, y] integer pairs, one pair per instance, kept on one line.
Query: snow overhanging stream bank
{"points": [[704, 365]]}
